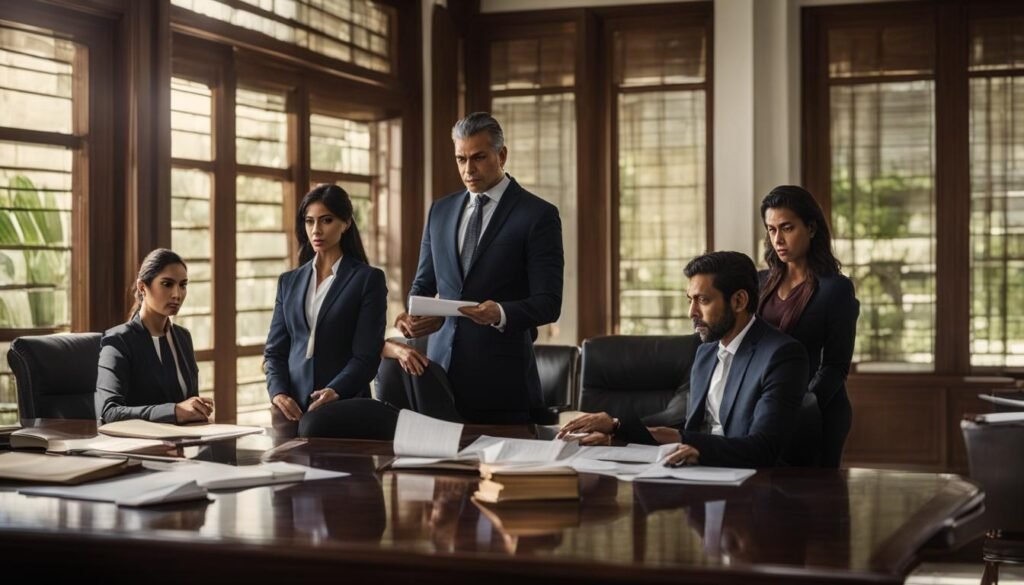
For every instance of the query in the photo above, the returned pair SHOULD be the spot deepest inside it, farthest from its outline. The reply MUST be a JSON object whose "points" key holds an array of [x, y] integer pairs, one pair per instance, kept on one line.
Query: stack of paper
{"points": [[433, 307], [142, 489], [422, 442], [57, 442]]}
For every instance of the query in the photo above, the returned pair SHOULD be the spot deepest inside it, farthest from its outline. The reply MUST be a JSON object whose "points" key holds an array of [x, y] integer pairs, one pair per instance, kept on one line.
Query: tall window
{"points": [[263, 226], [659, 83], [364, 158], [883, 202], [353, 31], [41, 142], [532, 88], [997, 191], [192, 179]]}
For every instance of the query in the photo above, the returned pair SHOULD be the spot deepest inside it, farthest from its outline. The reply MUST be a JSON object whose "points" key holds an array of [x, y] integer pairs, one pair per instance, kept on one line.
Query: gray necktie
{"points": [[476, 222]]}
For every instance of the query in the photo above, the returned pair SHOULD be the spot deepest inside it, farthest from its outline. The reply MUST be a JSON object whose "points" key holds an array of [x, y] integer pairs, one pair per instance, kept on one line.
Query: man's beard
{"points": [[716, 331]]}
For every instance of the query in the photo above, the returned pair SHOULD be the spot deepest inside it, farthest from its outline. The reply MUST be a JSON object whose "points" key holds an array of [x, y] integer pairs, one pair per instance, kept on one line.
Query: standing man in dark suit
{"points": [[746, 390], [499, 245]]}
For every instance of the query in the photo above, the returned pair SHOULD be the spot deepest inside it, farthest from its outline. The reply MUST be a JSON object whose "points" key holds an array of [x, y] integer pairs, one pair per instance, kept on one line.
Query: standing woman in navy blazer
{"points": [[804, 294], [327, 331], [147, 368]]}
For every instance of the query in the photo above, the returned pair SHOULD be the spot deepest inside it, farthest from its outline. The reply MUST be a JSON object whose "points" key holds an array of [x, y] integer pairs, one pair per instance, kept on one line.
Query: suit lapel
{"points": [[186, 365], [738, 371], [345, 271], [508, 200], [451, 226], [700, 383], [301, 287]]}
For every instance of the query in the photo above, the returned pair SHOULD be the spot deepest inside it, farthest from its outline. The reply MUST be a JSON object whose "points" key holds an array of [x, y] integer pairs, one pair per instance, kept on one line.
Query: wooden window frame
{"points": [[93, 171], [597, 190], [952, 156]]}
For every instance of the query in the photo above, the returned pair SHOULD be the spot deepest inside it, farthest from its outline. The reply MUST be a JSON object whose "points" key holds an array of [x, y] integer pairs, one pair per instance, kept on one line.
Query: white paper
{"points": [[310, 473], [1000, 417], [433, 307], [134, 490], [696, 474], [417, 435], [631, 453], [106, 444], [1001, 400], [150, 430], [532, 450]]}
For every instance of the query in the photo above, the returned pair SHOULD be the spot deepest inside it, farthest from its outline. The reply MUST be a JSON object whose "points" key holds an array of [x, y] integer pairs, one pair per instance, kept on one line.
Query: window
{"points": [[364, 158], [883, 200], [533, 97], [41, 75], [353, 31], [660, 128], [922, 108], [997, 191], [192, 180]]}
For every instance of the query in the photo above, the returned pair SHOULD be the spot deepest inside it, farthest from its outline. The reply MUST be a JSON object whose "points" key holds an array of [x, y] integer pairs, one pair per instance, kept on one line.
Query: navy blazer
{"points": [[761, 402], [519, 264], [128, 381], [349, 333], [827, 329]]}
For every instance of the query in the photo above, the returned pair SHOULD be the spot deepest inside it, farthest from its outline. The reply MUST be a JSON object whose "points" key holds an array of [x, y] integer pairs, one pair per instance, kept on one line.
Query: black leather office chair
{"points": [[352, 418], [56, 374], [994, 457], [645, 375], [558, 366]]}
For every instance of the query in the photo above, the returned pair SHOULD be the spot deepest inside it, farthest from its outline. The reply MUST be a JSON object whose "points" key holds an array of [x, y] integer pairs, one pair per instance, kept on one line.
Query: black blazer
{"points": [[519, 264], [349, 333], [128, 383], [827, 329]]}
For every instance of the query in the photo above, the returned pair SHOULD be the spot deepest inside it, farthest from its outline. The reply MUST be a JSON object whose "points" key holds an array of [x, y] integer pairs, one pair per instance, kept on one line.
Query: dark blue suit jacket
{"points": [[519, 264], [128, 381], [761, 403], [349, 334]]}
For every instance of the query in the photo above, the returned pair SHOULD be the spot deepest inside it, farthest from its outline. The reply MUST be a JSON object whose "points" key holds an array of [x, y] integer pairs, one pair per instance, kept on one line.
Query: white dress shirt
{"points": [[315, 295], [174, 356], [494, 194], [719, 378]]}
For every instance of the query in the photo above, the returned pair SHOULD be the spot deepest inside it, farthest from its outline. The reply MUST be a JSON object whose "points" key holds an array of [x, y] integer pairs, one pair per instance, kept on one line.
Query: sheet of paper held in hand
{"points": [[431, 307]]}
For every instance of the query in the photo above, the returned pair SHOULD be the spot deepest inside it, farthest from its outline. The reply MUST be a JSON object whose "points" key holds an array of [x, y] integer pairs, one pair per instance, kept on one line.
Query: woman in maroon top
{"points": [[804, 294]]}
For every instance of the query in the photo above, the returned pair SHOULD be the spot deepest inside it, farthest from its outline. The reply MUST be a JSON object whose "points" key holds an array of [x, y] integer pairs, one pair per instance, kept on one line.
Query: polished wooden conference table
{"points": [[378, 526]]}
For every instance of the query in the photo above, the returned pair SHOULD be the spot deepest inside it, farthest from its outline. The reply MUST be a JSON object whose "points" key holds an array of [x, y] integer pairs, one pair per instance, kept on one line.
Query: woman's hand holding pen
{"points": [[195, 409]]}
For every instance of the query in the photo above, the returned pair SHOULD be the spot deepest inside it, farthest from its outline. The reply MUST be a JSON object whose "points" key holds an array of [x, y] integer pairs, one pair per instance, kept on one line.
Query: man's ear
{"points": [[739, 301], [503, 155]]}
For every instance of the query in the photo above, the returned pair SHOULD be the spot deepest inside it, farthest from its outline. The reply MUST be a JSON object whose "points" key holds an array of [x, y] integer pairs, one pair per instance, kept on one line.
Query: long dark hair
{"points": [[152, 266], [820, 259], [338, 202]]}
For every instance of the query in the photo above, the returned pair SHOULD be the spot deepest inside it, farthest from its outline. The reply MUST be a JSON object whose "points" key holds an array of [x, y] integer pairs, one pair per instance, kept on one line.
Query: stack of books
{"points": [[516, 483]]}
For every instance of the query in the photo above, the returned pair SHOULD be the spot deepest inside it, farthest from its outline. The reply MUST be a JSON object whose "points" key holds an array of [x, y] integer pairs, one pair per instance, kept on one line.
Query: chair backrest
{"points": [[637, 374], [558, 366], [994, 456], [56, 374]]}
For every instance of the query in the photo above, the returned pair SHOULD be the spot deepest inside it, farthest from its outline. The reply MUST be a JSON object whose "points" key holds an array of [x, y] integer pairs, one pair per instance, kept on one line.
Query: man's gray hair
{"points": [[479, 122]]}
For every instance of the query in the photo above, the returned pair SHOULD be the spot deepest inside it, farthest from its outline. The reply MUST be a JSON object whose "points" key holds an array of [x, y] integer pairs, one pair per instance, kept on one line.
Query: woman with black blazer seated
{"points": [[327, 331], [147, 368], [804, 294]]}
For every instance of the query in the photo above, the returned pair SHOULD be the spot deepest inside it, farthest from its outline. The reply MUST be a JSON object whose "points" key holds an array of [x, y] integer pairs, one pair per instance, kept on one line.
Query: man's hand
{"points": [[413, 327], [321, 397], [288, 407], [486, 313], [596, 439], [683, 455], [665, 435], [595, 422], [195, 409]]}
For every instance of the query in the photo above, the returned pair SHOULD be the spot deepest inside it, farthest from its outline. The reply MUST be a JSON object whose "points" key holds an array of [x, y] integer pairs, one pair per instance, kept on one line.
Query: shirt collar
{"points": [[495, 192], [734, 345], [334, 267]]}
